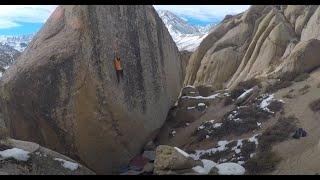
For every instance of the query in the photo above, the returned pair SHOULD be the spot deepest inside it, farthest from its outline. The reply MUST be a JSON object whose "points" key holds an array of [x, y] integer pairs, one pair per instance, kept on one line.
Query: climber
{"points": [[117, 66]]}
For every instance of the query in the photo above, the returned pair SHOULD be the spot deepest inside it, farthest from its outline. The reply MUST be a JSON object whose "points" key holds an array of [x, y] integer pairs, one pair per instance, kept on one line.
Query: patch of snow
{"points": [[16, 153], [259, 124], [238, 151], [207, 136], [187, 124], [189, 86], [226, 94], [217, 125], [252, 154], [207, 166], [182, 152], [67, 164], [201, 97], [237, 148], [189, 108], [245, 93], [199, 153], [0, 74], [201, 127], [173, 133], [192, 92], [240, 162], [199, 170], [237, 120], [202, 104], [266, 102], [254, 139], [230, 169]]}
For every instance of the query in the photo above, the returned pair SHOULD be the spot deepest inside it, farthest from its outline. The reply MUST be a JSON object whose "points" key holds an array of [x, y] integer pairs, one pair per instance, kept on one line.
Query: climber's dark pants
{"points": [[119, 73]]}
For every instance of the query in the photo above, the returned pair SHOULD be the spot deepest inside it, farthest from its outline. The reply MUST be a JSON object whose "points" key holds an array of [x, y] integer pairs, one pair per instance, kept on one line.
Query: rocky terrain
{"points": [[8, 55], [264, 41], [245, 102]]}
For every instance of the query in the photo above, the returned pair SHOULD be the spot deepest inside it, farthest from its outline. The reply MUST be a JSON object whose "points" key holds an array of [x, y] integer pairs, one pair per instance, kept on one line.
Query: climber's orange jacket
{"points": [[117, 64]]}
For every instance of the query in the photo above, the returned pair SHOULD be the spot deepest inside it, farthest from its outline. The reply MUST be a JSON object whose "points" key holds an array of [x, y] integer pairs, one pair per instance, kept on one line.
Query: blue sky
{"points": [[26, 19], [23, 19]]}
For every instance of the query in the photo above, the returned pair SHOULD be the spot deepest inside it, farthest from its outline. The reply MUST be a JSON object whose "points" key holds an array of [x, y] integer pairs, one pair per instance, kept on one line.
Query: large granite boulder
{"points": [[63, 92]]}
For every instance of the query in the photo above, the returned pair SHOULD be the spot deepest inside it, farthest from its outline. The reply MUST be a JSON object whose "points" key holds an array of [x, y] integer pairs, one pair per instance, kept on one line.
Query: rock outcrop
{"points": [[63, 92], [170, 159], [261, 42], [27, 158], [184, 57]]}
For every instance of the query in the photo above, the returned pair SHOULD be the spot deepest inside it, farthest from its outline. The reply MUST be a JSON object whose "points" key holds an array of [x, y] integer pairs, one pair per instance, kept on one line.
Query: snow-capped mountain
{"points": [[187, 36], [17, 42]]}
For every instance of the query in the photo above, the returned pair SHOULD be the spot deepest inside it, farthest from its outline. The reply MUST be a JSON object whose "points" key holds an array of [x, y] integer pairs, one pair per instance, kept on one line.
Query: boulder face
{"points": [[63, 92], [261, 42], [33, 159]]}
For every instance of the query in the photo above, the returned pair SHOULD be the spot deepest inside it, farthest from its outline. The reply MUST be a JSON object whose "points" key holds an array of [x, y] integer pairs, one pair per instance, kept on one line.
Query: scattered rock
{"points": [[169, 158], [31, 159], [299, 133], [247, 96], [230, 169]]}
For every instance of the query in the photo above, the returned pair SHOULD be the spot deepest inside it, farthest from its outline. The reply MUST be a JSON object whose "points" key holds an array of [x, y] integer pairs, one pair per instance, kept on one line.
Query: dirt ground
{"points": [[301, 156]]}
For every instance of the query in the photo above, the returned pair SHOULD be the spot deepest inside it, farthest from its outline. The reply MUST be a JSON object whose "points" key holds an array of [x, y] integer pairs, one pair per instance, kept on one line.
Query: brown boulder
{"points": [[63, 92], [170, 159]]}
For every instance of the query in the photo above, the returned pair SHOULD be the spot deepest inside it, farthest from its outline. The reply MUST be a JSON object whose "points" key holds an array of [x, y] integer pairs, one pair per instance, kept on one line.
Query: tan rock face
{"points": [[184, 56], [255, 44], [63, 91]]}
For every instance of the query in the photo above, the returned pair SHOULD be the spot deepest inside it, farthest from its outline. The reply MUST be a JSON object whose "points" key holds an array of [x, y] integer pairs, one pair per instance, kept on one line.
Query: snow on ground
{"points": [[217, 125], [266, 102], [254, 139], [199, 153], [173, 133], [201, 97], [245, 93], [232, 116], [189, 86], [67, 164], [207, 166], [230, 169], [189, 108], [16, 153], [182, 152], [238, 147], [259, 124], [202, 104]]}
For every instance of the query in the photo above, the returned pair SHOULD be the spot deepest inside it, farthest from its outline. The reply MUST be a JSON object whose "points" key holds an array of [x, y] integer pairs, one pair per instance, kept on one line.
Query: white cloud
{"points": [[203, 12], [5, 24], [12, 15]]}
